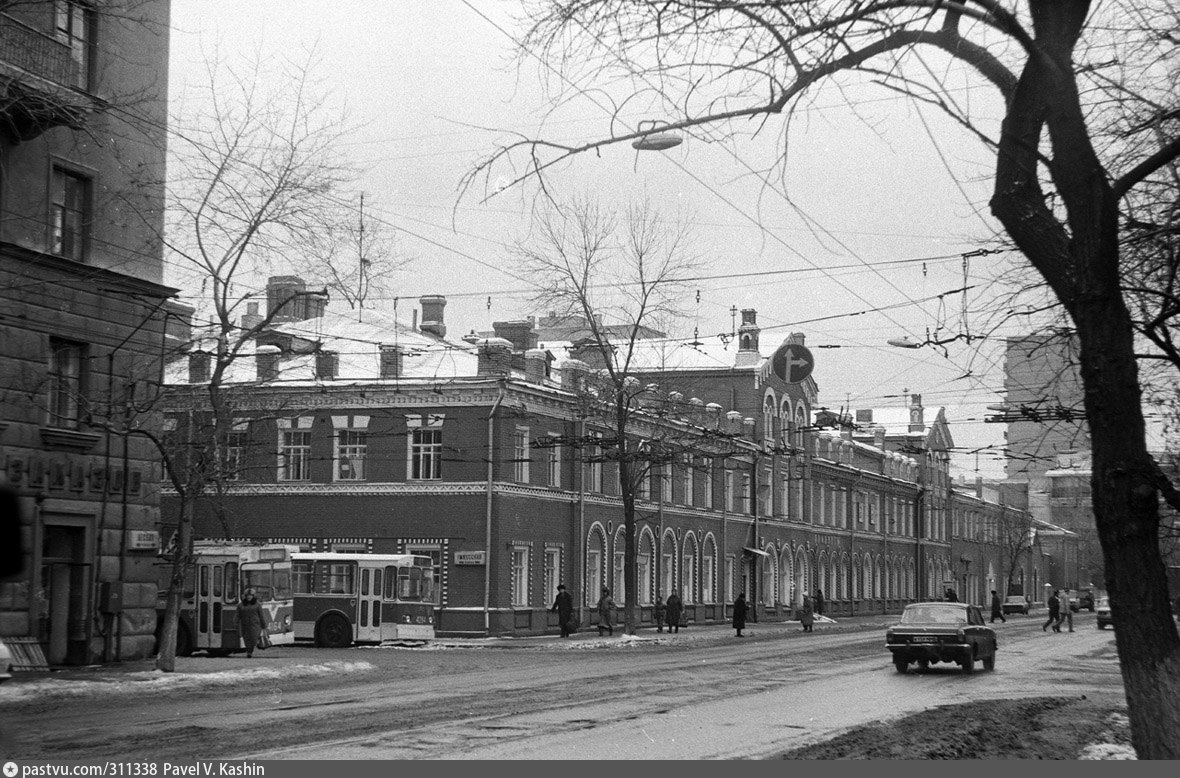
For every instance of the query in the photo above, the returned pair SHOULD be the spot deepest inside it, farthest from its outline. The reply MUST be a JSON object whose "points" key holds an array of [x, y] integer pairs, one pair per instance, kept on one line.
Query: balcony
{"points": [[38, 83]]}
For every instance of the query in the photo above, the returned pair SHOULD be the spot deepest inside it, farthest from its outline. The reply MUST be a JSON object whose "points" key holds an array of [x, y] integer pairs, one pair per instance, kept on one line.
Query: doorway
{"points": [[62, 600]]}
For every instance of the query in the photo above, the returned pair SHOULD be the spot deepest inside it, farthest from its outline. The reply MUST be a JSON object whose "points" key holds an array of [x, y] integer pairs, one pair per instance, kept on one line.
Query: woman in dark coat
{"points": [[606, 608], [251, 621], [807, 614], [739, 613], [674, 612]]}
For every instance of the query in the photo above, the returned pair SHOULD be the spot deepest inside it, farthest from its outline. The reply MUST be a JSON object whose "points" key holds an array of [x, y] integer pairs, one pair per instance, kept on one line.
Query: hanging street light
{"points": [[655, 141]]}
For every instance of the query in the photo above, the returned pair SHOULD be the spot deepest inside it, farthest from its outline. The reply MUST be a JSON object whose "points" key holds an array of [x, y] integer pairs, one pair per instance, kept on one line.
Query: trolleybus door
{"points": [[368, 615], [210, 613]]}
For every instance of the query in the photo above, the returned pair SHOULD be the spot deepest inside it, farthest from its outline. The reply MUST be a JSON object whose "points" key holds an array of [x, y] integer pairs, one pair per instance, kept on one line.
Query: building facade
{"points": [[82, 319], [488, 454]]}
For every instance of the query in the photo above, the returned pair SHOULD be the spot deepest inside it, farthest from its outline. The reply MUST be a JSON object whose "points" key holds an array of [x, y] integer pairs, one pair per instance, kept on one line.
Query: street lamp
{"points": [[654, 141]]}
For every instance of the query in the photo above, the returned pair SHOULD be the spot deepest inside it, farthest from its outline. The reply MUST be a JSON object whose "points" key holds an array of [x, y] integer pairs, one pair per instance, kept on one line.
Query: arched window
{"points": [[769, 568], [709, 571], [667, 565], [645, 563], [595, 561], [768, 416], [619, 556], [688, 569], [785, 580]]}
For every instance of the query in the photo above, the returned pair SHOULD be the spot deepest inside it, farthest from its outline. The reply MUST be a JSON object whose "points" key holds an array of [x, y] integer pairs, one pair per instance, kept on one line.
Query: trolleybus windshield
{"points": [[268, 584]]}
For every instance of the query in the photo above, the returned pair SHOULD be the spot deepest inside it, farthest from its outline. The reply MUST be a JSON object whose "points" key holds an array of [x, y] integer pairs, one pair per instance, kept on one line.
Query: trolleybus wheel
{"points": [[333, 632]]}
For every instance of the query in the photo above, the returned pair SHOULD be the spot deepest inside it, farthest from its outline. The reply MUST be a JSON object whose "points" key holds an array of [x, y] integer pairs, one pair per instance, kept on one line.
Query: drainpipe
{"points": [[487, 562]]}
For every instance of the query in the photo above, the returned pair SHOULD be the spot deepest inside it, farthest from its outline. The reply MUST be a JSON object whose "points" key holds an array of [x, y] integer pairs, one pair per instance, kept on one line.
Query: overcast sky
{"points": [[432, 87]]}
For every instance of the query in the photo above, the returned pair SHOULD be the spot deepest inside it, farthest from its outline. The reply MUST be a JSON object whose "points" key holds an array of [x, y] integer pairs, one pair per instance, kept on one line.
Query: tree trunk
{"points": [[166, 650]]}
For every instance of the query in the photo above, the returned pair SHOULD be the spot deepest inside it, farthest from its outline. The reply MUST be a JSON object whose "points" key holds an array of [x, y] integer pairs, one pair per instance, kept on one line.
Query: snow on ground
{"points": [[155, 680]]}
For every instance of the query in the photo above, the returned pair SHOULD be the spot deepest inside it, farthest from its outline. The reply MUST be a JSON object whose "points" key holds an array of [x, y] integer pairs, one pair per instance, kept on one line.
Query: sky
{"points": [[860, 240]]}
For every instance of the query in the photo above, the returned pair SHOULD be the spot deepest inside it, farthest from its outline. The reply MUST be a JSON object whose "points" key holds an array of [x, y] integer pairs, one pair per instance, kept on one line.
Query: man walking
{"points": [[997, 608], [1065, 613], [1054, 613], [564, 605]]}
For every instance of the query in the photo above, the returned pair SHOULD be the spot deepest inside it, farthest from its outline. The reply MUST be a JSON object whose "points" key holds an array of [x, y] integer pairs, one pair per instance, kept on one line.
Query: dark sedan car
{"points": [[931, 632]]}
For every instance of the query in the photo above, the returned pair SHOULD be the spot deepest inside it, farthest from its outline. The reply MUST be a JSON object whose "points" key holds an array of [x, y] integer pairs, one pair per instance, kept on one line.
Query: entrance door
{"points": [[368, 621], [211, 608], [62, 608]]}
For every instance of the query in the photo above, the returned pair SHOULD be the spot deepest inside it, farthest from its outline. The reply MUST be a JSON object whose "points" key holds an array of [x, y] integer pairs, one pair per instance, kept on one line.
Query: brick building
{"points": [[82, 318], [376, 436]]}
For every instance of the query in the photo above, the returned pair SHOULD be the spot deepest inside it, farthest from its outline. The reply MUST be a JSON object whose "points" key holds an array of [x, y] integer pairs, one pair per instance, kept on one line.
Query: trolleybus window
{"points": [[302, 578], [341, 578], [268, 584], [411, 583]]}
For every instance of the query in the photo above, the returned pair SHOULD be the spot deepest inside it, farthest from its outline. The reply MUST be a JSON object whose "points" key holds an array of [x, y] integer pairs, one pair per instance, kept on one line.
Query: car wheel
{"points": [[968, 665], [989, 663], [333, 632], [923, 665], [901, 665], [1101, 625]]}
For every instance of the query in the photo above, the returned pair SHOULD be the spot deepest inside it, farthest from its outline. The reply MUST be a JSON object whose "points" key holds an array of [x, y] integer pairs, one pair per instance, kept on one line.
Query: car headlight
{"points": [[888, 636], [961, 635]]}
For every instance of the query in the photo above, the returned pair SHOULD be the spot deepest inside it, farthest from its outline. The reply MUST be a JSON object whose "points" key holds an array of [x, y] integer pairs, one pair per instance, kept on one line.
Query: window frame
{"points": [[66, 391], [61, 204], [301, 453], [353, 451]]}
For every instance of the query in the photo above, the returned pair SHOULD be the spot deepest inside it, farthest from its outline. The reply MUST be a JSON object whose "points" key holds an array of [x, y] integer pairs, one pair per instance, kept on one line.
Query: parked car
{"points": [[932, 632], [1102, 609], [1015, 603], [1085, 600]]}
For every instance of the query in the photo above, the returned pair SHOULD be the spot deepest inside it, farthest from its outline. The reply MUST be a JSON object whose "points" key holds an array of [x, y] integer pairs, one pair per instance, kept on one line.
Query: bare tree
{"points": [[254, 176], [1057, 192], [601, 266]]}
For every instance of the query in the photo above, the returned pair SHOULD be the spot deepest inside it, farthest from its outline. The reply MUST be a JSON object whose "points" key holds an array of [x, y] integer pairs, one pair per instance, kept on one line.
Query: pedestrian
{"points": [[675, 611], [1054, 613], [251, 618], [564, 605], [997, 608], [660, 612], [739, 613], [951, 596], [1065, 612], [606, 608], [819, 602], [807, 616]]}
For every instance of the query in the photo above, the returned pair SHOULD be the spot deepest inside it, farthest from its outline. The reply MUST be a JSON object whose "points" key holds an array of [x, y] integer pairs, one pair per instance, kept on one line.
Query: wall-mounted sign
{"points": [[470, 557], [143, 540]]}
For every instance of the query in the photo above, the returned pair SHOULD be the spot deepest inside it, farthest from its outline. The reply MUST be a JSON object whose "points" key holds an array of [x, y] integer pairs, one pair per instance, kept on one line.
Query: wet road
{"points": [[699, 695]]}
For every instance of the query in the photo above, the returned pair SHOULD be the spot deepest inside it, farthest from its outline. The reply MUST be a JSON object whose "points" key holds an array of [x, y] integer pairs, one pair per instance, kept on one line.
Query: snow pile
{"points": [[156, 680], [1114, 743]]}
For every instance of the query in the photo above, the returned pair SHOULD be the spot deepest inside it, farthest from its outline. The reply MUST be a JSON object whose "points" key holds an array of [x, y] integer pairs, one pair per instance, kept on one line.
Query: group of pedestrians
{"points": [[1059, 612], [670, 613]]}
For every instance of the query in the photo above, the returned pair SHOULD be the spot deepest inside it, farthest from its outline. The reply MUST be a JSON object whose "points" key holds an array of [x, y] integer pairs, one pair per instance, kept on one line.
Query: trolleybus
{"points": [[343, 598], [213, 587]]}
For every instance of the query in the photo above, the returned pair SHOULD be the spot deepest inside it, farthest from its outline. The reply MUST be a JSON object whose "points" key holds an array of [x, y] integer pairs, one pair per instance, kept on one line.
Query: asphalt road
{"points": [[702, 694]]}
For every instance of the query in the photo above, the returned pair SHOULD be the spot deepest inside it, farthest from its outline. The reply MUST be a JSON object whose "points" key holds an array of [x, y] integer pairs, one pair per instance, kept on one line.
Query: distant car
{"points": [[5, 662], [1102, 609], [1085, 600], [931, 632], [1015, 603]]}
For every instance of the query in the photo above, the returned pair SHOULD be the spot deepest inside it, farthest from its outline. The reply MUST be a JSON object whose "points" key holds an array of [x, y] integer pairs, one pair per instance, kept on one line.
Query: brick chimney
{"points": [[266, 360], [519, 333], [251, 318], [391, 361], [198, 366], [495, 357], [432, 315], [327, 364], [573, 375], [536, 366]]}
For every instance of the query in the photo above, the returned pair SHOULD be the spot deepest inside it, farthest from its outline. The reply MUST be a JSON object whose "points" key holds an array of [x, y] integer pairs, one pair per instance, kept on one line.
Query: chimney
{"points": [[285, 300], [734, 419], [432, 315], [879, 437], [198, 367], [519, 333], [748, 353], [252, 318], [327, 363], [917, 414], [495, 357], [573, 375], [391, 361], [266, 359], [536, 366]]}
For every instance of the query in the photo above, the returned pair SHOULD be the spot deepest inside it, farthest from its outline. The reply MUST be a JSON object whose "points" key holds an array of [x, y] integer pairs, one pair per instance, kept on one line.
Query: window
{"points": [[70, 214], [620, 590], [686, 480], [73, 25], [67, 362], [426, 454], [339, 578], [553, 461], [643, 577], [729, 561], [551, 575], [709, 484], [594, 468], [520, 455], [731, 497], [302, 580], [744, 503], [436, 556], [295, 455], [352, 447], [520, 576], [233, 454], [594, 582], [708, 572]]}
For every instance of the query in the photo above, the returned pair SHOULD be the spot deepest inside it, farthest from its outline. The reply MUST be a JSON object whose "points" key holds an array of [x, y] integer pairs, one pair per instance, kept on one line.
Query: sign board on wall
{"points": [[470, 557], [143, 540]]}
